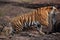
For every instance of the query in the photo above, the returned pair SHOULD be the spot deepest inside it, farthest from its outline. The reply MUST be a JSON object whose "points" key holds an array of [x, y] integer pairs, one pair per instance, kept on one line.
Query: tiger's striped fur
{"points": [[39, 16]]}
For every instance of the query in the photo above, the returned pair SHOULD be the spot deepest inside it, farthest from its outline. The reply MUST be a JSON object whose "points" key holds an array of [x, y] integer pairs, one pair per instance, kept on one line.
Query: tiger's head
{"points": [[44, 14]]}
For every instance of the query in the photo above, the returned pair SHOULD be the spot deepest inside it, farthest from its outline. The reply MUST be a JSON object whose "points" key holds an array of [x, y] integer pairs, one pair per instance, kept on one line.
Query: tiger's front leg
{"points": [[39, 27], [40, 30]]}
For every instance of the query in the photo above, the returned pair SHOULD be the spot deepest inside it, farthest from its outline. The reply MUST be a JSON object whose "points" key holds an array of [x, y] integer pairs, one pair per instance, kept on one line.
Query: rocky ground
{"points": [[31, 36]]}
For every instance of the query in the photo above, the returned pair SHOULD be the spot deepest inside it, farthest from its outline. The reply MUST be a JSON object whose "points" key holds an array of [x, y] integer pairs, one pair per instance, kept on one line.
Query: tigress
{"points": [[37, 18]]}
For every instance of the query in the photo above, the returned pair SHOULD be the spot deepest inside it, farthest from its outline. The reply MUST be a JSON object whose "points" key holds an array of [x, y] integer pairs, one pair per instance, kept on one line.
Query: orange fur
{"points": [[40, 15]]}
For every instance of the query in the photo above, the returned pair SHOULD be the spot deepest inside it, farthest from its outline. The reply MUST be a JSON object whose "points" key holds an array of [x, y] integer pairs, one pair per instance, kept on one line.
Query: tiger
{"points": [[37, 18]]}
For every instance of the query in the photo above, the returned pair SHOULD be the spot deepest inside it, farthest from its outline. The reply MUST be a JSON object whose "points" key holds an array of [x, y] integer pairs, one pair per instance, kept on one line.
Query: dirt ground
{"points": [[31, 36]]}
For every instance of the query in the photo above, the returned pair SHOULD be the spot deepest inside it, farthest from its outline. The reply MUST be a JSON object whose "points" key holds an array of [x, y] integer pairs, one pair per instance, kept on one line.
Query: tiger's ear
{"points": [[54, 7]]}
